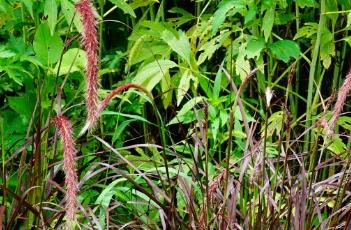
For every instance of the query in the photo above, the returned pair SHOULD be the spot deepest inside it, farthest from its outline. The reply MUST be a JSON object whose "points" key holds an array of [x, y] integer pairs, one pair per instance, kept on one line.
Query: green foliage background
{"points": [[189, 168]]}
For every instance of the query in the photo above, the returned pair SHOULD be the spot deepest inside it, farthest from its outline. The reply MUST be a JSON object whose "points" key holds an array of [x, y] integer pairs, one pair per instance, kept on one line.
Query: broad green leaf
{"points": [[184, 85], [223, 8], [348, 40], [275, 122], [254, 47], [282, 4], [306, 3], [242, 65], [140, 3], [190, 105], [285, 49], [215, 128], [251, 14], [29, 5], [73, 60], [69, 11], [348, 20], [307, 30], [47, 48], [4, 53], [337, 146], [127, 9], [107, 193], [166, 88], [327, 49], [332, 6], [179, 43], [267, 22], [217, 84], [151, 74], [345, 122], [50, 10], [23, 105]]}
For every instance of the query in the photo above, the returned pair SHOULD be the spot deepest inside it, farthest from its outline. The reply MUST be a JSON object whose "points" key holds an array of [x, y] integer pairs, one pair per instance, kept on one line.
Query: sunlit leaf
{"points": [[185, 109], [50, 11], [267, 22], [47, 48], [151, 74], [73, 60], [127, 9]]}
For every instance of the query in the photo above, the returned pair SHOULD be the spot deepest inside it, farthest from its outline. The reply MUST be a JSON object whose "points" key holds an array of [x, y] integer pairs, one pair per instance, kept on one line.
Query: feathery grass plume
{"points": [[90, 43], [69, 166], [342, 95], [104, 103]]}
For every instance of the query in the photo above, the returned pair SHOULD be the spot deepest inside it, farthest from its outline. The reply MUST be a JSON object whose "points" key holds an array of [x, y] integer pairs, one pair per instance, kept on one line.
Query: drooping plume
{"points": [[342, 95], [90, 43], [104, 103], [69, 166]]}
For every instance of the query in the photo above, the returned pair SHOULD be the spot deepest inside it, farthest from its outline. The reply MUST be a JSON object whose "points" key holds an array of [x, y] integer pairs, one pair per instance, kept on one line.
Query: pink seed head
{"points": [[91, 44], [342, 95], [69, 166], [91, 123]]}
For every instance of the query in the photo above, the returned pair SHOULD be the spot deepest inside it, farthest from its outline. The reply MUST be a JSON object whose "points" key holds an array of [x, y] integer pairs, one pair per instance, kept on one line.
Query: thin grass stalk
{"points": [[341, 190], [118, 90], [342, 95], [315, 57]]}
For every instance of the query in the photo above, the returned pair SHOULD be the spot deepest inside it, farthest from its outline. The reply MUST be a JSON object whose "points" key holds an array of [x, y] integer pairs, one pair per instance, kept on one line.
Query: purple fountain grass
{"points": [[69, 166], [104, 103], [342, 95], [91, 44]]}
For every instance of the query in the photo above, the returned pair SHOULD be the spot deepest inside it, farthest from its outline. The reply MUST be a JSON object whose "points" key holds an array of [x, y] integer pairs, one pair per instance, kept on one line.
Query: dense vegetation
{"points": [[175, 114]]}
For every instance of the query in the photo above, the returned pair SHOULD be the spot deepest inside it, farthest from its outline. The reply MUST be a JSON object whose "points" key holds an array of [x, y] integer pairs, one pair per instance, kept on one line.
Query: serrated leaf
{"points": [[50, 10], [224, 7], [268, 20], [179, 43], [151, 74], [337, 146], [275, 122], [285, 49], [219, 16], [127, 9], [242, 65], [47, 48], [73, 60], [307, 30], [179, 118]]}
